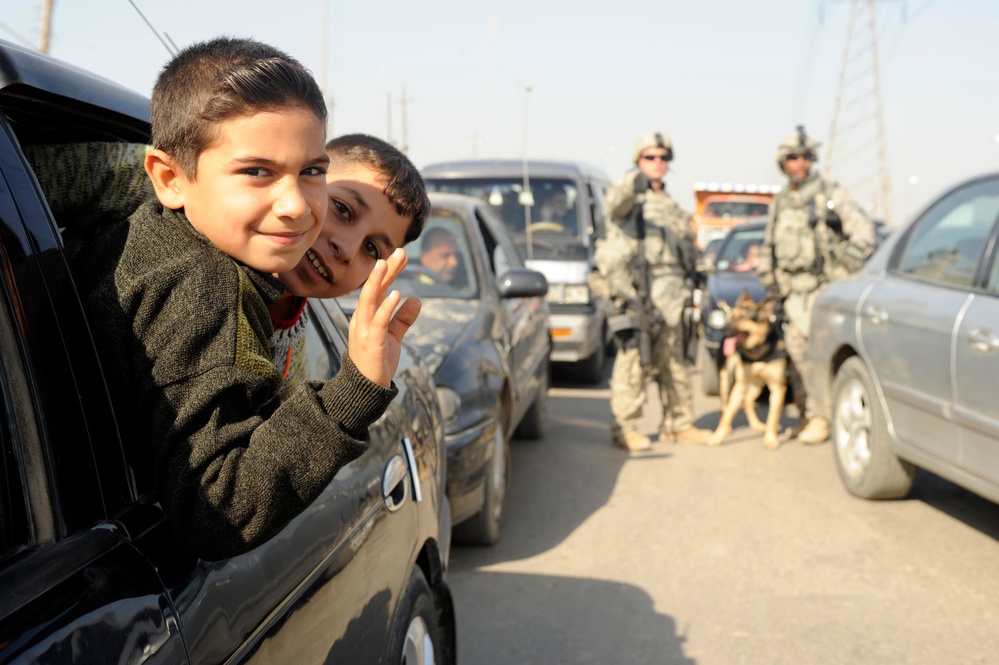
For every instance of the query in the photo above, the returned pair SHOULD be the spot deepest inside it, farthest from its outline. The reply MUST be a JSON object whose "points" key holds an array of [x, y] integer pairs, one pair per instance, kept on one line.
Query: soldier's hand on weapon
{"points": [[642, 183]]}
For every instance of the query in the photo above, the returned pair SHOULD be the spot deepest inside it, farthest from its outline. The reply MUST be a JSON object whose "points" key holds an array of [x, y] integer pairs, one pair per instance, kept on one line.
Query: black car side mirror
{"points": [[521, 283]]}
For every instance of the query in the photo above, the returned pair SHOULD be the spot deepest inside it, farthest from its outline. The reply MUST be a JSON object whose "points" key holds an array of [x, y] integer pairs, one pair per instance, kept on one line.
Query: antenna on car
{"points": [[172, 51]]}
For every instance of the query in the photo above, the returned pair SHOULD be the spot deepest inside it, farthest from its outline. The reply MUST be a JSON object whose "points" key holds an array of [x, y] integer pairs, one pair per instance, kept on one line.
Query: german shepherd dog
{"points": [[759, 360]]}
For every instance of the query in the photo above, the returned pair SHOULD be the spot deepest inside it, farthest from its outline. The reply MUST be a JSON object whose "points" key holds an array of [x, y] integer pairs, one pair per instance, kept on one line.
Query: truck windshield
{"points": [[735, 209], [550, 202]]}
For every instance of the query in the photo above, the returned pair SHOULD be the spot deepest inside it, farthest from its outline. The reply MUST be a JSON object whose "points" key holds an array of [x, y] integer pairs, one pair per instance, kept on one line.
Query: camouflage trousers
{"points": [[628, 386], [798, 308]]}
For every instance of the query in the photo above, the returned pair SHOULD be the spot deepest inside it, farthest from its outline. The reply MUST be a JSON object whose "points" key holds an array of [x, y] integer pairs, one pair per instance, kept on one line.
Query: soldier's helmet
{"points": [[653, 140], [798, 143]]}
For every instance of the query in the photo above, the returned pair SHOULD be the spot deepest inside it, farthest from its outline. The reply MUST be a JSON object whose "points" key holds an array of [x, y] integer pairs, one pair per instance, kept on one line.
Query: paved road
{"points": [[720, 555]]}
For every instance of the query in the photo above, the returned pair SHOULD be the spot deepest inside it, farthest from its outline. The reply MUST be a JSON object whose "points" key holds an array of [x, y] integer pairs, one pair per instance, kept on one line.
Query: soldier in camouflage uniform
{"points": [[671, 256], [815, 234]]}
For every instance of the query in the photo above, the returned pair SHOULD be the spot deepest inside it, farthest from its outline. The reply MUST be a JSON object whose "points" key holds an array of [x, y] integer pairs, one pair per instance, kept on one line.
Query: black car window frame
{"points": [[31, 121], [932, 216]]}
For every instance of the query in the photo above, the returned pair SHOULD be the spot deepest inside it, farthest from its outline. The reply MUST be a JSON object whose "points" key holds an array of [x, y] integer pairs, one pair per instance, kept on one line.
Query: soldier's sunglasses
{"points": [[795, 156], [652, 158]]}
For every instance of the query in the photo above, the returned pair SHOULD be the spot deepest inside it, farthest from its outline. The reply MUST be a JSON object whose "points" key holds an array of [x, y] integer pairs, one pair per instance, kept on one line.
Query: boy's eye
{"points": [[372, 249], [256, 172], [340, 208], [315, 170]]}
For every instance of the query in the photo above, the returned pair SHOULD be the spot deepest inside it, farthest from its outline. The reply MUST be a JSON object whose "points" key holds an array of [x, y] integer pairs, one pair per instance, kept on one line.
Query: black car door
{"points": [[73, 588], [326, 587]]}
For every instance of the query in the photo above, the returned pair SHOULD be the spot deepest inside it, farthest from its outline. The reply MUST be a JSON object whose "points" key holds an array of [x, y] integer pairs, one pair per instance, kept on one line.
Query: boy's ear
{"points": [[168, 179]]}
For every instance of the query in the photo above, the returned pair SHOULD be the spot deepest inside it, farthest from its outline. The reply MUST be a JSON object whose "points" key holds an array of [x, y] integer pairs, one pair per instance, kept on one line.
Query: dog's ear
{"points": [[745, 299]]}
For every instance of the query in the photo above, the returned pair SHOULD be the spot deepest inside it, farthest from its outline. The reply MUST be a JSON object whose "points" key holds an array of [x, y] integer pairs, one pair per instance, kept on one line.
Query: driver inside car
{"points": [[439, 257]]}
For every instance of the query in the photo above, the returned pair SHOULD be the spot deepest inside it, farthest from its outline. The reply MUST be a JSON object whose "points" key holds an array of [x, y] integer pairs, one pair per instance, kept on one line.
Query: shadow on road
{"points": [[560, 480], [551, 620], [957, 502]]}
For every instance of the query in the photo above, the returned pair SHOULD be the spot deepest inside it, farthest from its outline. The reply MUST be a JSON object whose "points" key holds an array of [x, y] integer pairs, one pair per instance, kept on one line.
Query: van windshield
{"points": [[549, 205]]}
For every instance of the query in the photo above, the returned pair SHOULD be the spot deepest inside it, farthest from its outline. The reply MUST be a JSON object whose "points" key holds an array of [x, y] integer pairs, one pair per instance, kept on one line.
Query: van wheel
{"points": [[417, 639], [484, 527], [709, 372], [866, 463]]}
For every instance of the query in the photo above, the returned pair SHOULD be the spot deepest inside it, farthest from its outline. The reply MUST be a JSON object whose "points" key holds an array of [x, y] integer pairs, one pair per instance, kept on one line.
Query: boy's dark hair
{"points": [[403, 183], [213, 81]]}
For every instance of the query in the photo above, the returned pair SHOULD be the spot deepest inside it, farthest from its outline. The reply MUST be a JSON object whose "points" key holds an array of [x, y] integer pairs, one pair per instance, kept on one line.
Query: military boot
{"points": [[816, 431], [632, 441]]}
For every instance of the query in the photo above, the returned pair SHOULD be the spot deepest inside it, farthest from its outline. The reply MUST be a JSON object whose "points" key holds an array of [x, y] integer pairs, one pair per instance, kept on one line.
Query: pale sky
{"points": [[726, 79]]}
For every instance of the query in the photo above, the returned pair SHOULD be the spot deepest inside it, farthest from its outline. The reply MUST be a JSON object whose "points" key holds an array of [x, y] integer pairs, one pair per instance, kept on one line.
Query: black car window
{"points": [[740, 250], [13, 514], [947, 243]]}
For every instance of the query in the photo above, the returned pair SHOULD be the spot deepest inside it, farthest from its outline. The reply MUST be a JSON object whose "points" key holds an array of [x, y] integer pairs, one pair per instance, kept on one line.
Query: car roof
{"points": [[26, 75], [480, 168]]}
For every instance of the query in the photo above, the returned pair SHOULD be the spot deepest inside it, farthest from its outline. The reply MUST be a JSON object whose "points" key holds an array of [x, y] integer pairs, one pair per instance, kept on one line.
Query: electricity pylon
{"points": [[856, 151]]}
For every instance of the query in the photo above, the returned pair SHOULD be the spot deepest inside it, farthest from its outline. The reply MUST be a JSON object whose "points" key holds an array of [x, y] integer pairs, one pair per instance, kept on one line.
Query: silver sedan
{"points": [[905, 355]]}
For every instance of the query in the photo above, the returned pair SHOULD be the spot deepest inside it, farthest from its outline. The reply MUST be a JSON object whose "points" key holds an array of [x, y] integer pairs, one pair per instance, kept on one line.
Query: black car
{"points": [[730, 274], [484, 332], [89, 570]]}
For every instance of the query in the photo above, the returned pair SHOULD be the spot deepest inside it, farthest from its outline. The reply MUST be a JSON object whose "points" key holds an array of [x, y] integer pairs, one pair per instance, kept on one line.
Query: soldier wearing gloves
{"points": [[645, 266], [815, 234]]}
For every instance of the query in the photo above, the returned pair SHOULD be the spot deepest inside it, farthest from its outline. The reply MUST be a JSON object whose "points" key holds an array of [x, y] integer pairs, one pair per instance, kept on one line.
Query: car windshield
{"points": [[735, 209], [549, 203], [740, 250], [441, 264]]}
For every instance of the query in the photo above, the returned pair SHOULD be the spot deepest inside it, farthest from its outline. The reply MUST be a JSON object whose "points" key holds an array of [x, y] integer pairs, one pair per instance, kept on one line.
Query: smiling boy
{"points": [[178, 297]]}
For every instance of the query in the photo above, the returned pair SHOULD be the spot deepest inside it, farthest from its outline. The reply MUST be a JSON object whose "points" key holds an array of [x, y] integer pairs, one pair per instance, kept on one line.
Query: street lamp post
{"points": [[528, 199]]}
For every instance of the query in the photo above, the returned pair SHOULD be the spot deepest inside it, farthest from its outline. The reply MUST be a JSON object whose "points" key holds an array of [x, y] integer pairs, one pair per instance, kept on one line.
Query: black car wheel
{"points": [[709, 371], [865, 460], [533, 424], [483, 528], [417, 638]]}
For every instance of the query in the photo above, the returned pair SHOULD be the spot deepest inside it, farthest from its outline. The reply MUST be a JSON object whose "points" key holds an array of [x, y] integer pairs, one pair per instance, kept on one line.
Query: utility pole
{"points": [[404, 102], [857, 147], [389, 116], [46, 28], [325, 57]]}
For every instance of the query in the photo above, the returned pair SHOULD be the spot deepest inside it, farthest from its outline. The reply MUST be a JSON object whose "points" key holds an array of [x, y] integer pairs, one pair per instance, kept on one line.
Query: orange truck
{"points": [[718, 207]]}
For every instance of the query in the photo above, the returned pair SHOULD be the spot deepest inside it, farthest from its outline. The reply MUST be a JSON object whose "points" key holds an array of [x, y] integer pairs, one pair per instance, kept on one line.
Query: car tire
{"points": [[709, 371], [861, 445], [591, 370], [484, 527], [532, 426], [417, 639]]}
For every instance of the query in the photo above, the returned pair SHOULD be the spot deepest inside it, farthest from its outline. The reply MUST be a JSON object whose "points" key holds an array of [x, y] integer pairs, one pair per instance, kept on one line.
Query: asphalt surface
{"points": [[726, 555]]}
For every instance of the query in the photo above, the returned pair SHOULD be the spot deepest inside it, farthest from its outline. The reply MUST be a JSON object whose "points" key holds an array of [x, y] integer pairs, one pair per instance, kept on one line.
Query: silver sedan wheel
{"points": [[853, 425], [863, 451], [419, 649]]}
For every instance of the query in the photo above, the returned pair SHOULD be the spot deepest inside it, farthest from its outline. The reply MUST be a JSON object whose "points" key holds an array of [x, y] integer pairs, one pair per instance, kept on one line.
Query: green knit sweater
{"points": [[185, 334]]}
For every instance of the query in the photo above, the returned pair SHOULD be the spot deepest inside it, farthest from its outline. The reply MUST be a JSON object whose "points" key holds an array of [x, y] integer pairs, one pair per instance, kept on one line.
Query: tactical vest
{"points": [[801, 238]]}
